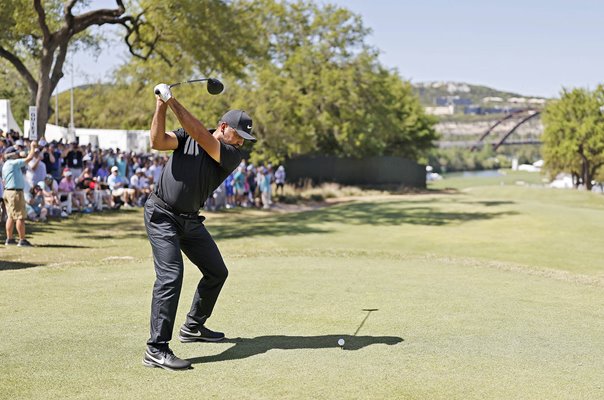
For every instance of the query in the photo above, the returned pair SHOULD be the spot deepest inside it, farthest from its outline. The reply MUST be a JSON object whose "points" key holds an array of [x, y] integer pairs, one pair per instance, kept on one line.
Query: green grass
{"points": [[483, 291]]}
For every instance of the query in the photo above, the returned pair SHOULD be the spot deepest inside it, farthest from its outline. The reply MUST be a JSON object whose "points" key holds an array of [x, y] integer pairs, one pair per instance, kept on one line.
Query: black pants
{"points": [[169, 233]]}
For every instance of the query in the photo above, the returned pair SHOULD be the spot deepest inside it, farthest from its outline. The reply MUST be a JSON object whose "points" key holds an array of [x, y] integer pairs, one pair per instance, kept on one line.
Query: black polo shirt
{"points": [[191, 175]]}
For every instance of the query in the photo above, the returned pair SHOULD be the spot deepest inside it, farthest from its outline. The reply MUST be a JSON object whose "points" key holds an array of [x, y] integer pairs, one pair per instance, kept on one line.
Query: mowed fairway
{"points": [[491, 291]]}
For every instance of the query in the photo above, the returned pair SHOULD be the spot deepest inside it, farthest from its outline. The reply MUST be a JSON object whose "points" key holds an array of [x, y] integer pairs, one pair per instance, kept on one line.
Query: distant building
{"points": [[517, 100], [455, 100], [442, 110], [492, 100], [536, 101]]}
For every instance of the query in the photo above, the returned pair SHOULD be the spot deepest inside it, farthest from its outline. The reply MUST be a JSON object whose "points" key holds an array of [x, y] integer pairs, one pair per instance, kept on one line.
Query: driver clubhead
{"points": [[215, 86]]}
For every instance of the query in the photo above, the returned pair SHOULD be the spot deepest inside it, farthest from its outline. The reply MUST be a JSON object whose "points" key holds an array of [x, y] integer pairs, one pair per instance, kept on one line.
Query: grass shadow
{"points": [[95, 226], [62, 246], [14, 265], [249, 347], [386, 213]]}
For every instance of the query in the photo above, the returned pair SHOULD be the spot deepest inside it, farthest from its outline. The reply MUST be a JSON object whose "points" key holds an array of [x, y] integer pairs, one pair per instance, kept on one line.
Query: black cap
{"points": [[241, 122]]}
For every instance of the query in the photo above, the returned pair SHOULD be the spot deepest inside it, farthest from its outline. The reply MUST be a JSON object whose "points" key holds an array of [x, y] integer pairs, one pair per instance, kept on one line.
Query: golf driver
{"points": [[214, 85]]}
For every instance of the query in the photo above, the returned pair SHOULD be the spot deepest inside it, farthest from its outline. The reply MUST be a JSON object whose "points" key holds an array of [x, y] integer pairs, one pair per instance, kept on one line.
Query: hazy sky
{"points": [[532, 47]]}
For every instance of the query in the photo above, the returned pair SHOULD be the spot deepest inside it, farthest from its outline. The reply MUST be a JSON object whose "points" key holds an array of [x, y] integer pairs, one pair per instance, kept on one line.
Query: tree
{"points": [[44, 45], [573, 138], [169, 40], [324, 91]]}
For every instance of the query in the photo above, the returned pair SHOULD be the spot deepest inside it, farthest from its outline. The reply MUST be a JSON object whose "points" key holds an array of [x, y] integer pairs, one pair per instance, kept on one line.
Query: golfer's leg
{"points": [[167, 259], [201, 249]]}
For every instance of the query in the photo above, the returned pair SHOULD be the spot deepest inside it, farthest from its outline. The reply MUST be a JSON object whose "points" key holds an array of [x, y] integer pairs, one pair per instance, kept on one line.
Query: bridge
{"points": [[477, 145]]}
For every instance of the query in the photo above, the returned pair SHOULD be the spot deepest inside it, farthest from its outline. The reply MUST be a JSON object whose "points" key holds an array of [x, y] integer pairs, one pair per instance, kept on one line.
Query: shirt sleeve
{"points": [[181, 135], [230, 157]]}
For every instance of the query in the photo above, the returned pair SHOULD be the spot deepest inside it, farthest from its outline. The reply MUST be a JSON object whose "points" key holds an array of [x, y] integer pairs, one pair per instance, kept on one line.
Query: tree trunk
{"points": [[585, 171]]}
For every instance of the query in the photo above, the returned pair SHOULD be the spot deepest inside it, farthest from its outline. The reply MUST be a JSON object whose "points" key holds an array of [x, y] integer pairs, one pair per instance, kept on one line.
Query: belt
{"points": [[168, 207], [16, 190]]}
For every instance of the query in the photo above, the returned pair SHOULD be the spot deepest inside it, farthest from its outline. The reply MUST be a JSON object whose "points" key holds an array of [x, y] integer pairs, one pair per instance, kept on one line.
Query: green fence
{"points": [[351, 171]]}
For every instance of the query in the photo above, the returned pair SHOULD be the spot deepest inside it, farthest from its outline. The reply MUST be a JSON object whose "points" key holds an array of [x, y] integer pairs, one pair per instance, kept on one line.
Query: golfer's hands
{"points": [[163, 92]]}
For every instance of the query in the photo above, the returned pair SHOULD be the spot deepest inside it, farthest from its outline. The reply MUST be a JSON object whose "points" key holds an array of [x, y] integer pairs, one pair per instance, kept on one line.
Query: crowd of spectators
{"points": [[248, 186], [63, 178]]}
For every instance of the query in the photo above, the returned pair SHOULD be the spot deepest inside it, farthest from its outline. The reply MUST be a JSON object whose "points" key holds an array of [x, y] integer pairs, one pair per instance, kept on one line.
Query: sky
{"points": [[530, 47]]}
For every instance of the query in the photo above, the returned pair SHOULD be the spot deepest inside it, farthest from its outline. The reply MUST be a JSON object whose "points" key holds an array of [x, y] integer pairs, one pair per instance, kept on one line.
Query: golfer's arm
{"points": [[195, 129], [159, 138]]}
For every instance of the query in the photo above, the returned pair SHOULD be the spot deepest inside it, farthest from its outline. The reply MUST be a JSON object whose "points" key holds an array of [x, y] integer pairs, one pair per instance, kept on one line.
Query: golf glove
{"points": [[163, 91]]}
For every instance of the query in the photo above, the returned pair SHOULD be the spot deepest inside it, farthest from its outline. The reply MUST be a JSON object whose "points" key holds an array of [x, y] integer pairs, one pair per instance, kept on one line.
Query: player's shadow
{"points": [[248, 347]]}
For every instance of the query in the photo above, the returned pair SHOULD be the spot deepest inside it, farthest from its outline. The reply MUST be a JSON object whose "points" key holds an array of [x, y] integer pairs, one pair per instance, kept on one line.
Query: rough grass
{"points": [[491, 291]]}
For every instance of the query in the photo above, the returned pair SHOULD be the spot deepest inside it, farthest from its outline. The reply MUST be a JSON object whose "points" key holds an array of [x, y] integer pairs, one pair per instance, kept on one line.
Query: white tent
{"points": [[130, 140], [7, 121]]}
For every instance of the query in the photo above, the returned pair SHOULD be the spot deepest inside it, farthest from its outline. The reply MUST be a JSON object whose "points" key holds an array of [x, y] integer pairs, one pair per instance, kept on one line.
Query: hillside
{"points": [[430, 92], [459, 101]]}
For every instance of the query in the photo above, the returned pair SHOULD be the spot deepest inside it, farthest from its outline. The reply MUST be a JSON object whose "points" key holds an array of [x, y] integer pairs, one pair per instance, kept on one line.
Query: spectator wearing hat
{"points": [[50, 191], [67, 188], [140, 184], [34, 204], [14, 183], [119, 187], [279, 180]]}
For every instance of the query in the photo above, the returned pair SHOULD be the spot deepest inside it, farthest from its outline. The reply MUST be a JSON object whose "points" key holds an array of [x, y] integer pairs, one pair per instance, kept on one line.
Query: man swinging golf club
{"points": [[201, 160]]}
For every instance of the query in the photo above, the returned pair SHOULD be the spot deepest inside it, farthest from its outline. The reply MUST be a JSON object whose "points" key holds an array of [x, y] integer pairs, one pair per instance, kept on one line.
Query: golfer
{"points": [[201, 160]]}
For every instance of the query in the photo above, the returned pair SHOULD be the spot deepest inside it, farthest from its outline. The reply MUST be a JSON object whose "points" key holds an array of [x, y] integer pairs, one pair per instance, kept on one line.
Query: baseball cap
{"points": [[114, 168], [242, 123], [68, 173]]}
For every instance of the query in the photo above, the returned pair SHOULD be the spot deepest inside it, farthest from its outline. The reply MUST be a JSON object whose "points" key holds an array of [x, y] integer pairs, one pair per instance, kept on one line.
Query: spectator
{"points": [[122, 164], [74, 159], [36, 170], [102, 173], [67, 189], [2, 207], [270, 175], [119, 187], [52, 159], [264, 185], [34, 204], [279, 179], [97, 161], [156, 169], [14, 182], [50, 191], [140, 184], [251, 184], [83, 184], [239, 185], [229, 191]]}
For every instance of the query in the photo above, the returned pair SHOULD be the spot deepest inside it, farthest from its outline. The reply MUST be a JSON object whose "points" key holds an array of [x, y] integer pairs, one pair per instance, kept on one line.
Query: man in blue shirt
{"points": [[14, 183]]}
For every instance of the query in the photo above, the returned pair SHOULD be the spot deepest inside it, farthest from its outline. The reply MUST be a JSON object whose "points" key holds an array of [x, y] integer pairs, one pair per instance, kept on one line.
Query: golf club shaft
{"points": [[189, 81]]}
